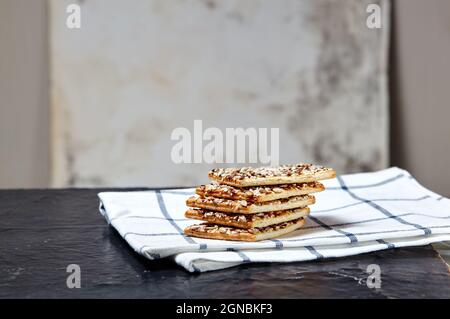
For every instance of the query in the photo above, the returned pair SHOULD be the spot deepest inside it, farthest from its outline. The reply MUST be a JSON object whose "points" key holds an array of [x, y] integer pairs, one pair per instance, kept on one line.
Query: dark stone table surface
{"points": [[43, 231]]}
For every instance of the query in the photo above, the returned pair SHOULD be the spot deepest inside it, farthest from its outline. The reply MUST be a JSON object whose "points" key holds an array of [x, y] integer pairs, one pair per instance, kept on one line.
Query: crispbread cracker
{"points": [[212, 231], [258, 194], [244, 207], [285, 174], [247, 220]]}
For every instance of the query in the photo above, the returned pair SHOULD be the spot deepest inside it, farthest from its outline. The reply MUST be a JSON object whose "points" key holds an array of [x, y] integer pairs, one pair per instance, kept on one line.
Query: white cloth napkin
{"points": [[357, 213]]}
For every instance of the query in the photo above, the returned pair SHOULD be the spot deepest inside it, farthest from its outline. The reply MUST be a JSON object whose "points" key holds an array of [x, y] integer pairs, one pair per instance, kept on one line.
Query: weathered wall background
{"points": [[419, 88], [133, 73]]}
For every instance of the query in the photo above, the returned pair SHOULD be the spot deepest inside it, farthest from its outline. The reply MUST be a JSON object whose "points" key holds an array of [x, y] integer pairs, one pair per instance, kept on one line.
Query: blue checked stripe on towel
{"points": [[357, 213]]}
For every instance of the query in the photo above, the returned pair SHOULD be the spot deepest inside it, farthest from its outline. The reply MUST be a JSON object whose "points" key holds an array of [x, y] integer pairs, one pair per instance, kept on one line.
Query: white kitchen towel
{"points": [[357, 213]]}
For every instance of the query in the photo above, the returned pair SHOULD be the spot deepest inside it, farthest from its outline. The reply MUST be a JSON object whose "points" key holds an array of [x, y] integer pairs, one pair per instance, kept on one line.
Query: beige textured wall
{"points": [[420, 92], [23, 94], [420, 89], [119, 88]]}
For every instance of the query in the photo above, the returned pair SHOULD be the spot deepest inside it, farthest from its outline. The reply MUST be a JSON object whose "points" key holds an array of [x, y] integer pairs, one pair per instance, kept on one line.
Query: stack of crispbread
{"points": [[252, 204]]}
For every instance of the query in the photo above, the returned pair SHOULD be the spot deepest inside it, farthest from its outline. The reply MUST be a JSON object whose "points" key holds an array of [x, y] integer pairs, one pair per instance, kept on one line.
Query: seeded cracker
{"points": [[244, 207], [258, 194], [247, 220], [286, 174], [253, 204], [212, 231]]}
